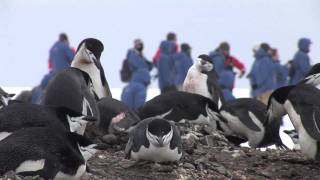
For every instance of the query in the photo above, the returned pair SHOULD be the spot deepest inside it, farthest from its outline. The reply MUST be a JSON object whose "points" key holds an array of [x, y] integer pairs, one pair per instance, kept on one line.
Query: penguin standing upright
{"points": [[23, 115], [301, 102], [79, 87], [246, 118], [156, 140], [46, 152], [4, 98], [202, 79]]}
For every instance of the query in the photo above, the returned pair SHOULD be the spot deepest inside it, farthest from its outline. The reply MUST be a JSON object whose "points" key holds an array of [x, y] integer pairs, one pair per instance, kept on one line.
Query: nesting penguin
{"points": [[246, 118], [4, 98], [44, 151], [79, 86], [301, 103], [115, 116], [180, 107], [23, 115], [202, 79], [156, 140]]}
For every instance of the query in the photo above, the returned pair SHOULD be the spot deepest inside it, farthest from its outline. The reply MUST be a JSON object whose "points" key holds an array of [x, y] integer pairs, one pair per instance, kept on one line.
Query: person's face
{"points": [[139, 46]]}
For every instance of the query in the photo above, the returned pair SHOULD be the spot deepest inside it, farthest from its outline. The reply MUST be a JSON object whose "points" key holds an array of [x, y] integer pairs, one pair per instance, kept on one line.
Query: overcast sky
{"points": [[29, 28]]}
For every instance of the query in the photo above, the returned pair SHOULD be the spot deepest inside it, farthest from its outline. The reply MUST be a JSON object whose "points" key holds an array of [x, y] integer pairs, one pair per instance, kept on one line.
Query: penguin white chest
{"points": [[3, 135], [80, 171], [156, 154], [196, 82], [307, 143]]}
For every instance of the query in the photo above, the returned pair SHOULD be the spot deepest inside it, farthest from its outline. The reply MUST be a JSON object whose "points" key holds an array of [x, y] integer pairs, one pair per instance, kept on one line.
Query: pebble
{"points": [[189, 166]]}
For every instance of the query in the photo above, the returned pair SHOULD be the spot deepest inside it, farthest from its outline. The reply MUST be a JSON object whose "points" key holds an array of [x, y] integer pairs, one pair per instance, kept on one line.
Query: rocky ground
{"points": [[206, 156]]}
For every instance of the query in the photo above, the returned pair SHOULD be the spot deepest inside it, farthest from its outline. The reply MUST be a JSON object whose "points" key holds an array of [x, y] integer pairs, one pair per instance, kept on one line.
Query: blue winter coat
{"points": [[165, 65], [301, 61], [226, 82], [262, 73], [218, 60], [60, 56], [134, 94], [182, 63], [281, 75]]}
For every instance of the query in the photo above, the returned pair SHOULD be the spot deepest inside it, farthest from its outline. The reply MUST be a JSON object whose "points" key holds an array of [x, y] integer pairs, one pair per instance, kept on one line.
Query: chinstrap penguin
{"points": [[46, 152], [294, 137], [202, 79], [180, 107], [155, 140], [246, 118], [24, 115], [301, 103]]}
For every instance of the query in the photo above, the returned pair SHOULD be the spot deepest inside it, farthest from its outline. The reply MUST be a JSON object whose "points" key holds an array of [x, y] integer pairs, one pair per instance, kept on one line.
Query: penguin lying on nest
{"points": [[246, 119], [156, 140]]}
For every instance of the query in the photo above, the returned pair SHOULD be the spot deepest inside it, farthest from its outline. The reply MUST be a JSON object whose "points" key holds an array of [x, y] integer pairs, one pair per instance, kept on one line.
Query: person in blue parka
{"points": [[165, 63], [226, 81], [262, 74], [182, 62], [219, 56], [281, 71], [135, 93], [301, 61]]}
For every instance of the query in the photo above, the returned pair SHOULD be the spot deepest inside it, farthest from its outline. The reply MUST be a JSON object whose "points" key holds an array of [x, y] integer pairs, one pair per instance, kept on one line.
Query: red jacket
{"points": [[235, 62]]}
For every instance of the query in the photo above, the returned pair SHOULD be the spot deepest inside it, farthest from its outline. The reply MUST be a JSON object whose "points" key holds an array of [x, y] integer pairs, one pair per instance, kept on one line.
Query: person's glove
{"points": [[242, 73]]}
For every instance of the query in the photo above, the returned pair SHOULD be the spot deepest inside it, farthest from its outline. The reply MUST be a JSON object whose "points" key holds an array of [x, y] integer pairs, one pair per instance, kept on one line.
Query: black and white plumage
{"points": [[4, 98], [313, 76], [294, 137], [44, 151], [302, 104], [115, 116], [156, 140], [246, 118], [79, 87], [202, 79], [180, 107], [23, 115]]}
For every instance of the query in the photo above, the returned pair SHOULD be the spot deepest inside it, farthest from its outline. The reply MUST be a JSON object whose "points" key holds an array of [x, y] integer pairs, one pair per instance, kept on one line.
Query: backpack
{"points": [[125, 72]]}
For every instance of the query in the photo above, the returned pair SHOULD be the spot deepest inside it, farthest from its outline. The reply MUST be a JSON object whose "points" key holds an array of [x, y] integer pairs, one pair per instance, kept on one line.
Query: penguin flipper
{"points": [[176, 138], [310, 118], [127, 151]]}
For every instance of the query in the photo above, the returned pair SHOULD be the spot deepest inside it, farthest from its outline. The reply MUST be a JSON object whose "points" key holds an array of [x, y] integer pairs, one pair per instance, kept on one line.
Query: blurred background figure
{"points": [[135, 93], [301, 61], [227, 80], [182, 62], [281, 71], [164, 62], [60, 57], [261, 74]]}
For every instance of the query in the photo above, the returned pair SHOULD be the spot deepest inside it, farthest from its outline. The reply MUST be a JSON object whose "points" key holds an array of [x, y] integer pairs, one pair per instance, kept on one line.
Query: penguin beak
{"points": [[160, 141]]}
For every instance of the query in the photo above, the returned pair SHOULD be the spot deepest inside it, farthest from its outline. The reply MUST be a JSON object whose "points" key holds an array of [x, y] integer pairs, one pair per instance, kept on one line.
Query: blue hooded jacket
{"points": [[134, 95], [165, 64], [262, 73], [139, 67], [226, 81], [281, 75], [301, 61], [60, 56], [182, 63], [218, 60]]}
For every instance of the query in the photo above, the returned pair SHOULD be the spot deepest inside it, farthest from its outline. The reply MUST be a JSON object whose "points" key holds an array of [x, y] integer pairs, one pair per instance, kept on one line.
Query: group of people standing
{"points": [[267, 74], [173, 62]]}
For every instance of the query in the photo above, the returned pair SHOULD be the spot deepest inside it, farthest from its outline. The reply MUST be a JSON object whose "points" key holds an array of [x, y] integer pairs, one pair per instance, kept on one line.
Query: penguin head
{"points": [[86, 147], [276, 102], [313, 76], [204, 63], [4, 98], [159, 132], [87, 59], [78, 124], [293, 135], [123, 122]]}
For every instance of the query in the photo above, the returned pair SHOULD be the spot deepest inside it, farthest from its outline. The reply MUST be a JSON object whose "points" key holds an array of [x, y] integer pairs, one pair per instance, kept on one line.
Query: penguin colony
{"points": [[51, 139]]}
